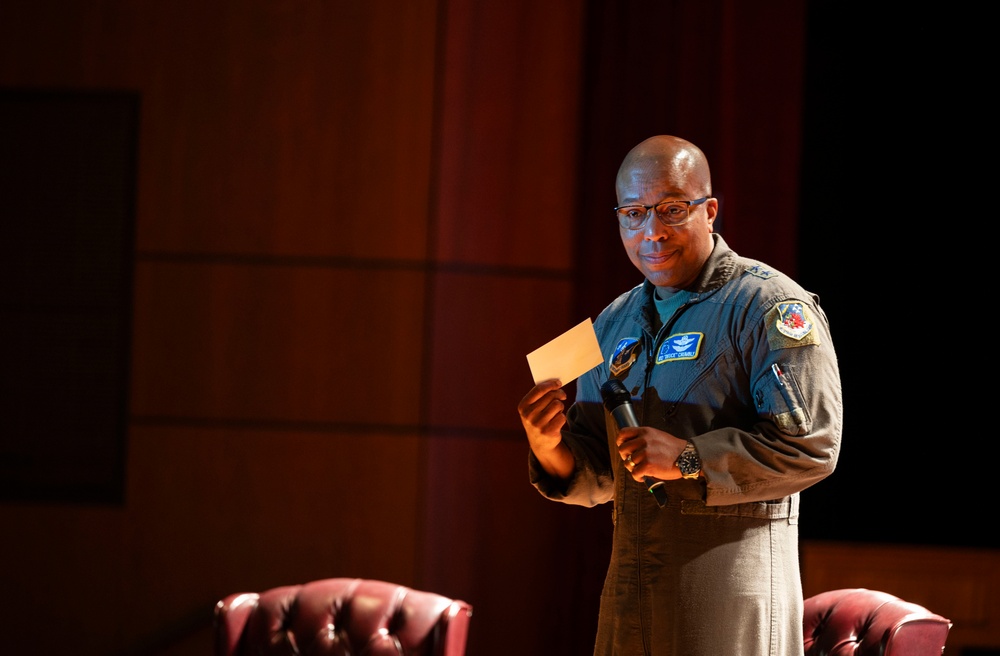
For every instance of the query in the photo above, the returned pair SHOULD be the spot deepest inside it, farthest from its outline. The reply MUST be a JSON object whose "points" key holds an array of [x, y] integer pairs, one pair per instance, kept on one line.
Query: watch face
{"points": [[689, 463]]}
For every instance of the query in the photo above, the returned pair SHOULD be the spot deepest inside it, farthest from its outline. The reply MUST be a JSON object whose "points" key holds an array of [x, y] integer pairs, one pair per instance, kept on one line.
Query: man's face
{"points": [[667, 256]]}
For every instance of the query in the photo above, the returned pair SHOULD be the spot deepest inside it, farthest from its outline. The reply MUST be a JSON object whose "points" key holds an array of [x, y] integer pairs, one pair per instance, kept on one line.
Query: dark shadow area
{"points": [[887, 225], [67, 198]]}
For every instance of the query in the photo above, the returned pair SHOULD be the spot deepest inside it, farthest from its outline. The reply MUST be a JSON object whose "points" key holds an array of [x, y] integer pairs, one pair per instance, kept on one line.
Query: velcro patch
{"points": [[761, 272], [682, 346], [789, 324], [625, 355]]}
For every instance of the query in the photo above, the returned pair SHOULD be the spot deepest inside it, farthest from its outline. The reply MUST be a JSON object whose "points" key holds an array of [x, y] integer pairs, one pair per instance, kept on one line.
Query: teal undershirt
{"points": [[667, 301]]}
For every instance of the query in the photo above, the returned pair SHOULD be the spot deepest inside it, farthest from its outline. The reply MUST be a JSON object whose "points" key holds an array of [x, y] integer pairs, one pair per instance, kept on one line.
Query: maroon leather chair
{"points": [[341, 616], [862, 622]]}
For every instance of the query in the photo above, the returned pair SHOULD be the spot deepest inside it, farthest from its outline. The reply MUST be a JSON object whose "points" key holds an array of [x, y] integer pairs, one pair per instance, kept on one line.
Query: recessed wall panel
{"points": [[484, 327], [531, 555], [278, 343], [509, 134]]}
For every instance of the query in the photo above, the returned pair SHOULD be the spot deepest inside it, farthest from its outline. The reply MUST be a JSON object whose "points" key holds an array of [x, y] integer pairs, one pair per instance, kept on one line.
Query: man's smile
{"points": [[657, 257]]}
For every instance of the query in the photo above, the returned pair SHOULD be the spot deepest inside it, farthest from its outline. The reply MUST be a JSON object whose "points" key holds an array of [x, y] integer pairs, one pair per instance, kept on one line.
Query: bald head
{"points": [[661, 170], [670, 159]]}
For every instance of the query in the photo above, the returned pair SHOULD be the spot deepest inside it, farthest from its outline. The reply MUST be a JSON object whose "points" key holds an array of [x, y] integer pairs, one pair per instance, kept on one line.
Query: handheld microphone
{"points": [[618, 402]]}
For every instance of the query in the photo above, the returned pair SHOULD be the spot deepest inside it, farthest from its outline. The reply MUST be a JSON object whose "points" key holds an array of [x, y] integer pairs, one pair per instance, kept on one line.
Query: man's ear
{"points": [[712, 208]]}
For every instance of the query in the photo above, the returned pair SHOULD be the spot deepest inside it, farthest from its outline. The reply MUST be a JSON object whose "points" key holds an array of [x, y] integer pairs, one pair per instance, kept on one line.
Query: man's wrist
{"points": [[688, 462]]}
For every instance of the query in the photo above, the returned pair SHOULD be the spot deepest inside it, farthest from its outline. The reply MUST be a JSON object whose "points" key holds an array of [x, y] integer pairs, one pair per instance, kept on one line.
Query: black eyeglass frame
{"points": [[689, 203]]}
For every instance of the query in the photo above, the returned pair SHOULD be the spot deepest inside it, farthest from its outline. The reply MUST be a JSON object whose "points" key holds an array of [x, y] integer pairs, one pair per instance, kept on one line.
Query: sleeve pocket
{"points": [[779, 399]]}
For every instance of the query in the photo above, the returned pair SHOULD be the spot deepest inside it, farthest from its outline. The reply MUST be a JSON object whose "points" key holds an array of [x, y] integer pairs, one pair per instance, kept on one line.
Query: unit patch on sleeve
{"points": [[682, 346], [789, 324], [625, 355]]}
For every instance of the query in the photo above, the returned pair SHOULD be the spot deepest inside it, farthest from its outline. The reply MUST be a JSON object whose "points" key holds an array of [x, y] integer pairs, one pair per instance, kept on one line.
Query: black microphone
{"points": [[618, 402]]}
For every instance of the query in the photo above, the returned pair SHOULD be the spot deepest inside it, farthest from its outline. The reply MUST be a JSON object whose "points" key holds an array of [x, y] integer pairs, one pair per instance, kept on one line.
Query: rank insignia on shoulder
{"points": [[789, 324], [682, 346], [626, 353], [761, 272]]}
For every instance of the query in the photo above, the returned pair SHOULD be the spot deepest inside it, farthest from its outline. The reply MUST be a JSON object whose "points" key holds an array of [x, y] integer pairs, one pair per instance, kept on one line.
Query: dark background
{"points": [[890, 239]]}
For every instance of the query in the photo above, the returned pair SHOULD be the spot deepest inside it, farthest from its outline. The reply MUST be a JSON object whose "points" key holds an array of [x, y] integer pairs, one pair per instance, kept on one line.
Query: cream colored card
{"points": [[568, 356]]}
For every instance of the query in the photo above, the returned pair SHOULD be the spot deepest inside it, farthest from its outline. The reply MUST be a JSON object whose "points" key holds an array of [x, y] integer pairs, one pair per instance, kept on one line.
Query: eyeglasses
{"points": [[671, 213]]}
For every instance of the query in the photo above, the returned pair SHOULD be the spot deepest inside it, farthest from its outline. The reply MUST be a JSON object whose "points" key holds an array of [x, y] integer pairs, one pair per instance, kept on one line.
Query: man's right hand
{"points": [[543, 415]]}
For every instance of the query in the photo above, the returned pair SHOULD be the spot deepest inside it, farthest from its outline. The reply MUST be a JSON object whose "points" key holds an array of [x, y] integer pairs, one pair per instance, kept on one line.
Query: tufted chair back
{"points": [[861, 622], [343, 617]]}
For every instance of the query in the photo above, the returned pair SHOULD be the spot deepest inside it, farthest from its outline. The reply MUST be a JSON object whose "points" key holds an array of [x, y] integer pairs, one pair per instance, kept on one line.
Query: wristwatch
{"points": [[688, 462]]}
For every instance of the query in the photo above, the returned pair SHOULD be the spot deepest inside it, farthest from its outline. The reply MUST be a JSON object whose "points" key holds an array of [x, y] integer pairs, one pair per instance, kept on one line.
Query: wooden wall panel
{"points": [[264, 124], [278, 343], [490, 537], [484, 327], [532, 568], [62, 566], [208, 512], [509, 121], [250, 509], [291, 129], [508, 165]]}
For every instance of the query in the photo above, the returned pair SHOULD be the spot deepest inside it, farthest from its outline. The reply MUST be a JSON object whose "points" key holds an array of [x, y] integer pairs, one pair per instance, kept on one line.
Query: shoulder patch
{"points": [[625, 355], [789, 324], [761, 272]]}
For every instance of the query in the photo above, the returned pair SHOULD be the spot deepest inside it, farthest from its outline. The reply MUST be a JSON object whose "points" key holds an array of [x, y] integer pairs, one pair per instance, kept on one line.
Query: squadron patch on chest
{"points": [[790, 324], [682, 346], [625, 355]]}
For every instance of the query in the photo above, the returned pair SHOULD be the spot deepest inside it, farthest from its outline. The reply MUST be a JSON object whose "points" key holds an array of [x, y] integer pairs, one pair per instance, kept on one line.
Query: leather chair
{"points": [[341, 616], [862, 622]]}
